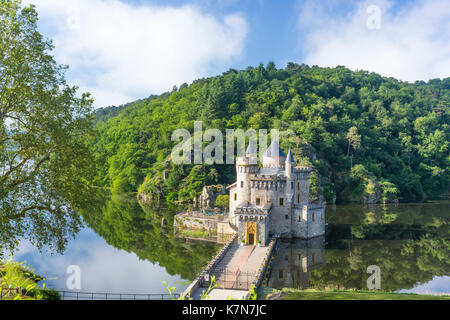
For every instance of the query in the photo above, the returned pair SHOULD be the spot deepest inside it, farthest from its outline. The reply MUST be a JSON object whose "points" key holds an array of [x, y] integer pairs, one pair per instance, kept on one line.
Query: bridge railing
{"points": [[76, 295], [230, 279]]}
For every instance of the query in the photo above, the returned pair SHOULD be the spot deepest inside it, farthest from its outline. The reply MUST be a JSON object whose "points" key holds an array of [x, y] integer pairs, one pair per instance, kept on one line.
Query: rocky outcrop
{"points": [[209, 195]]}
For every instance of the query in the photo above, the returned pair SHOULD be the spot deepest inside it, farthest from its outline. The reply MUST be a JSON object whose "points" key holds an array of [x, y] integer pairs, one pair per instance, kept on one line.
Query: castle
{"points": [[273, 200]]}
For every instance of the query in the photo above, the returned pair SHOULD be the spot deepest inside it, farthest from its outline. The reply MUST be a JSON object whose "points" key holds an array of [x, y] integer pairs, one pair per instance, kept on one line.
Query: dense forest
{"points": [[362, 133]]}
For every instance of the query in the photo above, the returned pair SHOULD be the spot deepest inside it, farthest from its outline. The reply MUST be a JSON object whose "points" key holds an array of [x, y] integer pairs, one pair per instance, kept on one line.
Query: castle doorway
{"points": [[251, 233], [251, 238]]}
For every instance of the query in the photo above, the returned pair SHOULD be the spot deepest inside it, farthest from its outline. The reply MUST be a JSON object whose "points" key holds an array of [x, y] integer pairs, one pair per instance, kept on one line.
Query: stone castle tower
{"points": [[273, 200]]}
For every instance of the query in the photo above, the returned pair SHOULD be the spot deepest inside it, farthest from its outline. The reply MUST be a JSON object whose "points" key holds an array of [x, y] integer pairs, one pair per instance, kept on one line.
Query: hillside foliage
{"points": [[353, 127]]}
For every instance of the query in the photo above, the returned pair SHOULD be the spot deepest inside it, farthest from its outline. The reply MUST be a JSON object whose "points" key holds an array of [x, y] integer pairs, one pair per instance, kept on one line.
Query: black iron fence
{"points": [[74, 295], [229, 279]]}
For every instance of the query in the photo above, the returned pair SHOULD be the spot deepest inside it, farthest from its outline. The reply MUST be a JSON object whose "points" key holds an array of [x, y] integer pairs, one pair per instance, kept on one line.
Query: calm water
{"points": [[126, 248], [409, 243]]}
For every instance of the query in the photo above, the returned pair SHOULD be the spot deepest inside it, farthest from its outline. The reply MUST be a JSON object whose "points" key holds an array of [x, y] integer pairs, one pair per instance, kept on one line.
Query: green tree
{"points": [[354, 139], [46, 166], [223, 201]]}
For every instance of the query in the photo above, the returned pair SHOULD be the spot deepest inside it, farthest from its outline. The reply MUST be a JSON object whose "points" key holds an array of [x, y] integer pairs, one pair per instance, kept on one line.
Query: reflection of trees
{"points": [[409, 243], [389, 222], [403, 263], [124, 224]]}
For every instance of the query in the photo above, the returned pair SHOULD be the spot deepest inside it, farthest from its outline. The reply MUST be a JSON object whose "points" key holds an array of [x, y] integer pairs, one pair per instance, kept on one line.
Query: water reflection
{"points": [[292, 262], [103, 267], [409, 243], [147, 231], [130, 248], [124, 248]]}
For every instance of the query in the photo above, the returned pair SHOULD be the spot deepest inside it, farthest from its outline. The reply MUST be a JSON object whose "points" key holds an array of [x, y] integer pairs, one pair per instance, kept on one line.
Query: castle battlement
{"points": [[302, 169]]}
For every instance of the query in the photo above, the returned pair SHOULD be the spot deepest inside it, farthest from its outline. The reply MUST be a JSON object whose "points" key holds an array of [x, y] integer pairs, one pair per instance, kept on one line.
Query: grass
{"points": [[196, 234], [313, 294], [18, 282]]}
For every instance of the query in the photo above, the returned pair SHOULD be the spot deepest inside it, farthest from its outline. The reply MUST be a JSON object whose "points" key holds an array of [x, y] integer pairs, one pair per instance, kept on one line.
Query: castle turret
{"points": [[289, 164], [252, 154], [290, 187], [244, 167]]}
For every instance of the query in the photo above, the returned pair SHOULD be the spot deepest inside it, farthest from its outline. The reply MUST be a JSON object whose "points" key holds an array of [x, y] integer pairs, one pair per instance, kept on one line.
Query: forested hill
{"points": [[363, 133]]}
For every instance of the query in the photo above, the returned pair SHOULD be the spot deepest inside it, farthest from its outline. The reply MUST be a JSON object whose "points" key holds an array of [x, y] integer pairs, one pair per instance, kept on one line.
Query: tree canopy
{"points": [[46, 166]]}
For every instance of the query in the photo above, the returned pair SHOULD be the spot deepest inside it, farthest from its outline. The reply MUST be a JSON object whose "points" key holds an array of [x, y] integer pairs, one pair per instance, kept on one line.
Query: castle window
{"points": [[235, 196], [242, 184], [258, 201], [299, 218], [286, 217], [298, 197], [313, 216], [281, 274], [299, 257], [286, 258], [292, 184], [282, 202]]}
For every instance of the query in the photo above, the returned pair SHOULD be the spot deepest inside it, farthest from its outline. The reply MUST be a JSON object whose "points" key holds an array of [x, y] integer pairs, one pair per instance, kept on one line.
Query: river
{"points": [[129, 248]]}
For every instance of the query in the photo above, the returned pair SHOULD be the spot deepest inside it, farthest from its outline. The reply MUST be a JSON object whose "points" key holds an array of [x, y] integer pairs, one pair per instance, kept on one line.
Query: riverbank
{"points": [[312, 294], [18, 282]]}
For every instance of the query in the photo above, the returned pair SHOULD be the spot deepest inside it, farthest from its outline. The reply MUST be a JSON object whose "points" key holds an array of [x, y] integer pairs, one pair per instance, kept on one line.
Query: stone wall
{"points": [[316, 227], [192, 221]]}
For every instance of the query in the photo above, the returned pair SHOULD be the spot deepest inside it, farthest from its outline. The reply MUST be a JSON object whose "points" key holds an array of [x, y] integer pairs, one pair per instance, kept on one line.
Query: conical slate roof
{"points": [[274, 150], [251, 149], [289, 157]]}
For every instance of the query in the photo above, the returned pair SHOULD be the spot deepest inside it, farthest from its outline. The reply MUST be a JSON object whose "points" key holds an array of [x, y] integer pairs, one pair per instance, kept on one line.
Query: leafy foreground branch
{"points": [[18, 282]]}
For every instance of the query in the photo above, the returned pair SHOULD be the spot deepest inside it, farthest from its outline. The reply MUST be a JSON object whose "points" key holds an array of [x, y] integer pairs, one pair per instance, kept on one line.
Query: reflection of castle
{"points": [[273, 199], [292, 261]]}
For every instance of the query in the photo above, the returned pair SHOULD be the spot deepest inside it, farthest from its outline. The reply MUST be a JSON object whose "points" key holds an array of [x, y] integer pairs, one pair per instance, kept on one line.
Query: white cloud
{"points": [[122, 52], [412, 43], [439, 285]]}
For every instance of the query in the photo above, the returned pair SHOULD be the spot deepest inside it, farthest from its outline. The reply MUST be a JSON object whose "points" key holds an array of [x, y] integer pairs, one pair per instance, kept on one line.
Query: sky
{"points": [[124, 50]]}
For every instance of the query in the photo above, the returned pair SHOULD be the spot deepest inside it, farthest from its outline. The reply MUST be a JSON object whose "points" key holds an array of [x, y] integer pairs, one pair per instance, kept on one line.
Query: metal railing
{"points": [[227, 279], [76, 295]]}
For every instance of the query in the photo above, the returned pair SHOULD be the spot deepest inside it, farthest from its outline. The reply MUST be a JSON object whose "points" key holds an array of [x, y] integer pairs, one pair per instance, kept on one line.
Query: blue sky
{"points": [[122, 50]]}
